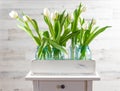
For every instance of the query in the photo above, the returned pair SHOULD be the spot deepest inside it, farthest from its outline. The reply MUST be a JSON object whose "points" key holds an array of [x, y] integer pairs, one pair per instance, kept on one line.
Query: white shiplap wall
{"points": [[17, 49]]}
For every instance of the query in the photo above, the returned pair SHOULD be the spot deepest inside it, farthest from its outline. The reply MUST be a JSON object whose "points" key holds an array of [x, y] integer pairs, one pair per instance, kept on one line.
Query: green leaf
{"points": [[49, 25], [76, 13], [57, 46], [37, 40], [46, 34], [81, 36], [36, 25], [82, 21], [79, 10], [41, 49], [66, 32], [71, 35], [61, 17], [95, 29], [86, 35], [90, 26], [58, 31], [56, 28], [67, 22], [93, 35], [74, 24]]}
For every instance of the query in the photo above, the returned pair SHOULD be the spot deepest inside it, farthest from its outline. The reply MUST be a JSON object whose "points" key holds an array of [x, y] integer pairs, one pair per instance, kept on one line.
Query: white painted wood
{"points": [[63, 66], [56, 85], [32, 76], [40, 85], [89, 85], [36, 85], [53, 83]]}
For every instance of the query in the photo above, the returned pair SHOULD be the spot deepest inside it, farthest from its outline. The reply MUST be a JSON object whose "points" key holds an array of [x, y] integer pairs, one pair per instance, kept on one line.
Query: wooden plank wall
{"points": [[17, 49]]}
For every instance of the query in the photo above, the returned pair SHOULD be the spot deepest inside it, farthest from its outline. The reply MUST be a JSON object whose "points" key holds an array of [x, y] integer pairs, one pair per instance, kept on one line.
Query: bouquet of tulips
{"points": [[61, 28]]}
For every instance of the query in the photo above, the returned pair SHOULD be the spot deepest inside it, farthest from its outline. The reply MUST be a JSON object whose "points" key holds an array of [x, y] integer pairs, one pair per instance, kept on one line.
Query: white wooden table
{"points": [[62, 82]]}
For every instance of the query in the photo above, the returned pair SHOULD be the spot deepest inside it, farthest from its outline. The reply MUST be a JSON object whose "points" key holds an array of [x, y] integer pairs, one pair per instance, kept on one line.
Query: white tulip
{"points": [[70, 16], [83, 9], [85, 26], [93, 21], [54, 15], [26, 18], [46, 12], [65, 14], [13, 14]]}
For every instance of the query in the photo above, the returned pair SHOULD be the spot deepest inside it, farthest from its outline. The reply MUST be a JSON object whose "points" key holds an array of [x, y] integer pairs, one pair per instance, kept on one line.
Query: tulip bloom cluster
{"points": [[61, 28]]}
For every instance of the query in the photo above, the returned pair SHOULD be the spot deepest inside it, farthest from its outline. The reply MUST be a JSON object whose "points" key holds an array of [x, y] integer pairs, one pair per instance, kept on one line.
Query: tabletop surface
{"points": [[62, 76]]}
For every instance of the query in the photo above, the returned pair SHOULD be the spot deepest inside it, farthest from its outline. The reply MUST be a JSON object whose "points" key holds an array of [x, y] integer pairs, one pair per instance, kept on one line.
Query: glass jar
{"points": [[49, 54], [79, 53], [85, 53], [57, 54]]}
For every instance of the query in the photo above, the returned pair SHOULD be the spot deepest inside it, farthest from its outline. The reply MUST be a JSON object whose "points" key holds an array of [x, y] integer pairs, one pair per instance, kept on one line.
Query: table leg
{"points": [[88, 85], [35, 85]]}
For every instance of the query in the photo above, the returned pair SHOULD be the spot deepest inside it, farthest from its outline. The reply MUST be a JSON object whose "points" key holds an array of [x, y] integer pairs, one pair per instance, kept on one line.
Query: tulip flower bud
{"points": [[93, 21], [46, 12], [13, 14], [26, 18], [85, 26], [70, 16], [65, 14], [54, 15], [83, 9]]}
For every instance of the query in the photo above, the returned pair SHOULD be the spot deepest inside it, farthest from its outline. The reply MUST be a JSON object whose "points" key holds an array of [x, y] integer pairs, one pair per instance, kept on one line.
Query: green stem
{"points": [[83, 53], [73, 49], [56, 54]]}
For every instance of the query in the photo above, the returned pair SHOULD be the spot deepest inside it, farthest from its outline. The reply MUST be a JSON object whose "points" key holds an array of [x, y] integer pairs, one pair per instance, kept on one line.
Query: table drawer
{"points": [[61, 86]]}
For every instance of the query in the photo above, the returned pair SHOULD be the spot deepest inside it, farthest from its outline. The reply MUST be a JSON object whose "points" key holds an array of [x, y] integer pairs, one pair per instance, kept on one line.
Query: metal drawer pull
{"points": [[62, 86]]}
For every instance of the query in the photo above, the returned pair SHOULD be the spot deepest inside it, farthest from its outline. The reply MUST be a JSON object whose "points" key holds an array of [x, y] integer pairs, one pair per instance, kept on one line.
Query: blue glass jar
{"points": [[80, 53], [85, 53], [49, 54]]}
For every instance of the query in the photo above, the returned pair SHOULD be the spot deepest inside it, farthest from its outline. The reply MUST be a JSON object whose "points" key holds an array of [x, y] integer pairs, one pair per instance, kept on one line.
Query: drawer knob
{"points": [[62, 86]]}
